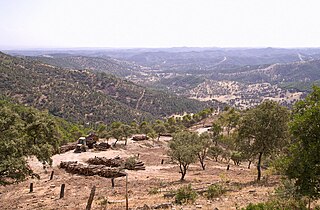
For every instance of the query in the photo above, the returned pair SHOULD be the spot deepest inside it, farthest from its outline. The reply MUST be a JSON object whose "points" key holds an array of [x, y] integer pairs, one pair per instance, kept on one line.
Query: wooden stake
{"points": [[31, 187], [51, 177], [127, 204], [112, 182], [93, 191], [62, 190]]}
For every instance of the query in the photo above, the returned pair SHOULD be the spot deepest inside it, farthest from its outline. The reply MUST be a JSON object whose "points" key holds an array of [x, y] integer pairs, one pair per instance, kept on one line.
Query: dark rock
{"points": [[163, 206]]}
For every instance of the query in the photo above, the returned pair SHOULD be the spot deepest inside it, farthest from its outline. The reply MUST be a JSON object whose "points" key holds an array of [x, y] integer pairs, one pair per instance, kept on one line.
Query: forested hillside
{"points": [[85, 96], [306, 71], [107, 65]]}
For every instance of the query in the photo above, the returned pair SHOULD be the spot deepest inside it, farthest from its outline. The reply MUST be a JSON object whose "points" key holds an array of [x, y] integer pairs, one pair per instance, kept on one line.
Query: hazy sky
{"points": [[159, 23]]}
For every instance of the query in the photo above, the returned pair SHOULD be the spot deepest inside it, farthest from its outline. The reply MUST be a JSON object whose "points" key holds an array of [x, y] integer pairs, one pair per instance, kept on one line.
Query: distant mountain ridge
{"points": [[106, 64], [302, 71]]}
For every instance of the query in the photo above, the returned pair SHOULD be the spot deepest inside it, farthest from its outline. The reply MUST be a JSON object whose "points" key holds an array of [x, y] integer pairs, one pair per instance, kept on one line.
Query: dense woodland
{"points": [[87, 97], [107, 65]]}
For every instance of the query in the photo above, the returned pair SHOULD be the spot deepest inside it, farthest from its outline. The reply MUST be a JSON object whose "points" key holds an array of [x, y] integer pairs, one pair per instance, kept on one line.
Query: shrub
{"points": [[283, 204], [215, 190], [153, 191], [185, 195], [236, 157], [130, 163], [286, 189]]}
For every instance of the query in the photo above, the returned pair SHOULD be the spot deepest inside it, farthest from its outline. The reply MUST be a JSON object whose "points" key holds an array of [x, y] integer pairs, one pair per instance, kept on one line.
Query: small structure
{"points": [[91, 140], [140, 137], [81, 145]]}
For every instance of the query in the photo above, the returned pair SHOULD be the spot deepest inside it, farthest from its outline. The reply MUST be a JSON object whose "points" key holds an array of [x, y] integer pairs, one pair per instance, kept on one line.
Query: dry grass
{"points": [[165, 178]]}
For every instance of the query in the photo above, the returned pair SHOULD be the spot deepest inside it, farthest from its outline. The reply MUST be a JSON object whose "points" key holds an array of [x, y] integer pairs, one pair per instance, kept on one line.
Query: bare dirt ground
{"points": [[157, 177]]}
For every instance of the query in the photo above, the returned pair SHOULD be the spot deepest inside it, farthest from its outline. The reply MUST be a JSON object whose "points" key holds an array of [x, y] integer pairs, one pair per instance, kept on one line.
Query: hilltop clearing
{"points": [[145, 187]]}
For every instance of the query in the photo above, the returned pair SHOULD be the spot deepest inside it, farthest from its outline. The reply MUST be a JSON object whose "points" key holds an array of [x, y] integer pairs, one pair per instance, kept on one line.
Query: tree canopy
{"points": [[304, 159], [183, 150], [263, 130], [25, 132]]}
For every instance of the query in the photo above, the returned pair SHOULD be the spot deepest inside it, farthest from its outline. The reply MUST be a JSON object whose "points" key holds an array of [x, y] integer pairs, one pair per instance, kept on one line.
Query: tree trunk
{"points": [[158, 136], [183, 170], [115, 142], [201, 159], [259, 167], [183, 174], [249, 164], [202, 164]]}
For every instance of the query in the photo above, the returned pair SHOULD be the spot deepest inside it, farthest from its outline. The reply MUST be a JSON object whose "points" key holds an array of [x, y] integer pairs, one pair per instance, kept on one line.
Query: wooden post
{"points": [[162, 161], [62, 190], [31, 187], [51, 176], [127, 205], [112, 182], [93, 191]]}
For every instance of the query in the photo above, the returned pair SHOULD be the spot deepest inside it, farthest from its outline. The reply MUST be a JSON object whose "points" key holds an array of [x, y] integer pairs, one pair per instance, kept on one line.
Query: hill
{"points": [[85, 96], [241, 77], [302, 71], [106, 64]]}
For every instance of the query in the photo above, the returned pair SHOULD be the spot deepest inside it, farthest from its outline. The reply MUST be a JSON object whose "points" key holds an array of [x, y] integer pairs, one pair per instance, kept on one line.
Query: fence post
{"points": [[112, 182], [127, 204], [51, 176], [62, 190], [31, 187], [93, 191]]}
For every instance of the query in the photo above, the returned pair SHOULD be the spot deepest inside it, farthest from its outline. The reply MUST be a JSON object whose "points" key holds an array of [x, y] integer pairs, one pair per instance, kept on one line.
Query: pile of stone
{"points": [[103, 146], [137, 166], [110, 162], [90, 170], [68, 147], [140, 137], [130, 163]]}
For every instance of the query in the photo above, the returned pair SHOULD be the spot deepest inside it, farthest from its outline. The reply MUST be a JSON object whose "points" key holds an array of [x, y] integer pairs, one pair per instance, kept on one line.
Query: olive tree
{"points": [[303, 163], [263, 130], [24, 132], [127, 132], [216, 131], [160, 128], [116, 131], [230, 119], [202, 146], [182, 150]]}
